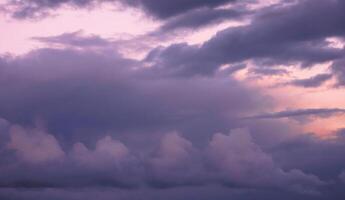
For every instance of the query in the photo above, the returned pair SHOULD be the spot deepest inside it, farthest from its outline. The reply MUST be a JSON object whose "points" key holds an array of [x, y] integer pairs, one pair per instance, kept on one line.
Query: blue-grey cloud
{"points": [[86, 91], [158, 9], [338, 68], [274, 37], [299, 112], [201, 17], [314, 81], [83, 124], [75, 39]]}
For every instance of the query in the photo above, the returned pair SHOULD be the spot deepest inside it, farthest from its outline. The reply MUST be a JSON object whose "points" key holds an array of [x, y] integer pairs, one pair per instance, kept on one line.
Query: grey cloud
{"points": [[75, 39], [41, 8], [268, 71], [301, 112], [112, 164], [201, 17], [274, 37], [314, 81], [85, 91], [177, 165], [338, 69], [176, 14], [159, 9], [166, 9], [252, 166], [342, 176], [314, 155], [34, 145], [104, 114]]}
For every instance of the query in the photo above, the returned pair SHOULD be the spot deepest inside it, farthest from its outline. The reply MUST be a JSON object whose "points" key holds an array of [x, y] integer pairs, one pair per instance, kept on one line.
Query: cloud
{"points": [[158, 128], [175, 162], [201, 17], [175, 15], [39, 8], [34, 146], [107, 151], [158, 9], [314, 81], [338, 69], [232, 160], [268, 71], [75, 39], [164, 10], [241, 162], [88, 91], [342, 176], [272, 38], [301, 112]]}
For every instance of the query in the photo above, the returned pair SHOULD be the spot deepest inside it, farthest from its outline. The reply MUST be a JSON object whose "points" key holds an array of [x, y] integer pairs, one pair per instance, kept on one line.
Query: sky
{"points": [[174, 100]]}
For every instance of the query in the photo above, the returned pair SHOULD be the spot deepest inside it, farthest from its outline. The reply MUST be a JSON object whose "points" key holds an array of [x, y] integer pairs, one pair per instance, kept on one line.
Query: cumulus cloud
{"points": [[107, 151], [34, 146], [175, 162], [95, 97], [232, 160], [242, 162]]}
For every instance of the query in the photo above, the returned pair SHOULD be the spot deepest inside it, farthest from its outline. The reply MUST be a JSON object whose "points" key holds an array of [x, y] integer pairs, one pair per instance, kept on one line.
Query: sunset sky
{"points": [[172, 99]]}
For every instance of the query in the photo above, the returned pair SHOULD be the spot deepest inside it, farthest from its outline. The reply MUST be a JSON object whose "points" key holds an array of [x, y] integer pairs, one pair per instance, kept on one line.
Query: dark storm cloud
{"points": [[293, 34], [302, 112], [314, 81]]}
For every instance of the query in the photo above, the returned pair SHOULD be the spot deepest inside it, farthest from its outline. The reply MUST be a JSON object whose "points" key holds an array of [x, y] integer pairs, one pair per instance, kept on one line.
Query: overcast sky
{"points": [[175, 100]]}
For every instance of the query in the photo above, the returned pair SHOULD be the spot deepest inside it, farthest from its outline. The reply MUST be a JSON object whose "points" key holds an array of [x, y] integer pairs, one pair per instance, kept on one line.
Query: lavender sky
{"points": [[172, 99]]}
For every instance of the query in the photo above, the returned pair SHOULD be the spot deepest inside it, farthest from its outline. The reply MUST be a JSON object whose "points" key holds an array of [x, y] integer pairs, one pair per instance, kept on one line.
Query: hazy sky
{"points": [[183, 99]]}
